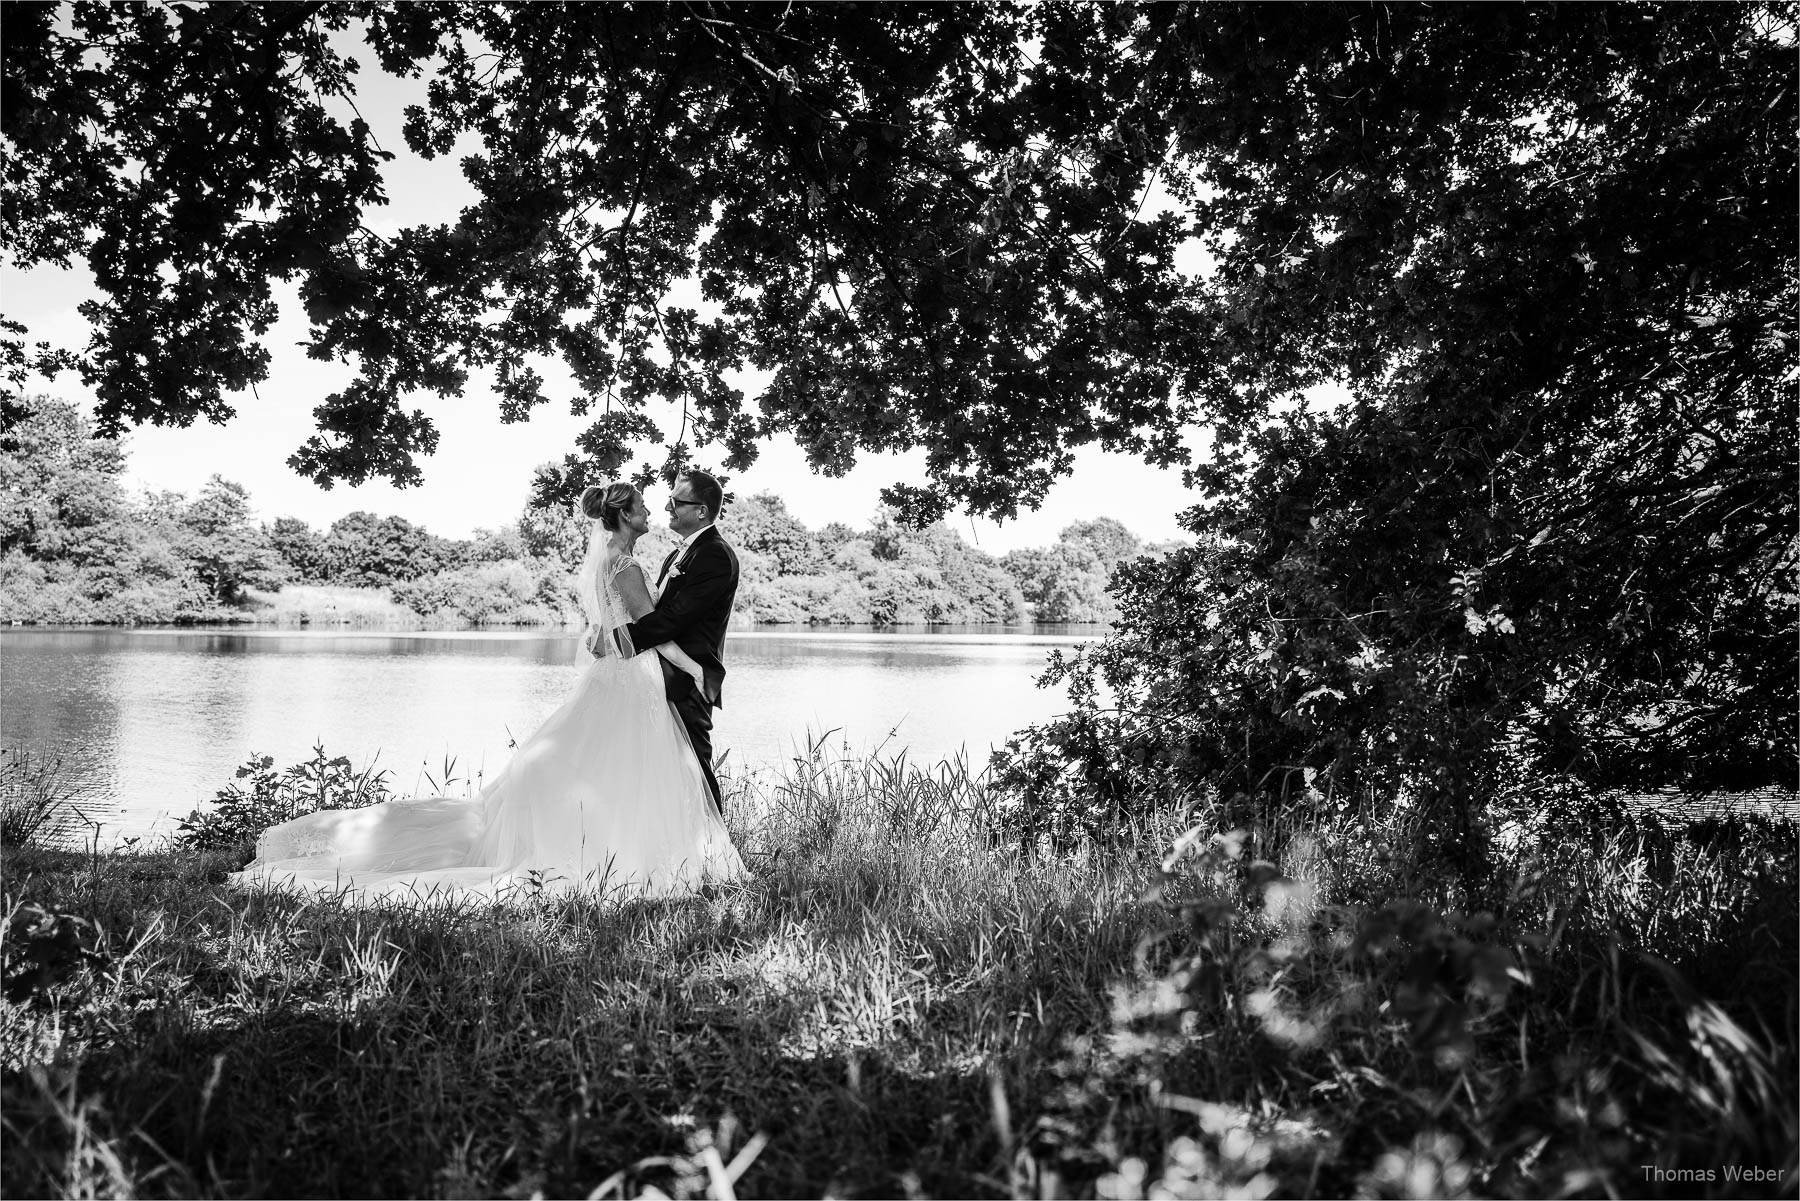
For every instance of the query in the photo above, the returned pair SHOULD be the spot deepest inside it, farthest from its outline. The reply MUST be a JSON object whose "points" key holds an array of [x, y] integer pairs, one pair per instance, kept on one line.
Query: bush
{"points": [[509, 592], [43, 948], [239, 816]]}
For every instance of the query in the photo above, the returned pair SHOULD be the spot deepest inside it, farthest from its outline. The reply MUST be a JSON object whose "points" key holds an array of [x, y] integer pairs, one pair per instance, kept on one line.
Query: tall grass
{"points": [[902, 1003], [43, 794], [331, 605]]}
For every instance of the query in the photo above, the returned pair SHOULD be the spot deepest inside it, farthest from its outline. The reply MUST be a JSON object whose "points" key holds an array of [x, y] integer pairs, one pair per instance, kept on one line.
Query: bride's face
{"points": [[637, 517]]}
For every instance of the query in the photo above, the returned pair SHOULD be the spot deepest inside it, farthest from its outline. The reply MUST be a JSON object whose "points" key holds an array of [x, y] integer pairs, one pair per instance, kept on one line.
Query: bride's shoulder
{"points": [[616, 561]]}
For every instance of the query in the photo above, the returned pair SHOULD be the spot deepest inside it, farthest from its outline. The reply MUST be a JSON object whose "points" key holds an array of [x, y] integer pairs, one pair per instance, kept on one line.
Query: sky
{"points": [[480, 476]]}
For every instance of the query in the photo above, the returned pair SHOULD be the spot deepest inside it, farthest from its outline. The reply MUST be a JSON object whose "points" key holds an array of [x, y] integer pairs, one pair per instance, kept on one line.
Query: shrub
{"points": [[239, 815], [43, 948], [510, 592]]}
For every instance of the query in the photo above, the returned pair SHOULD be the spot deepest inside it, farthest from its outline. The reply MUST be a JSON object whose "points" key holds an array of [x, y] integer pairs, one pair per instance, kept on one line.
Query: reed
{"points": [[43, 793], [328, 606], [901, 1002]]}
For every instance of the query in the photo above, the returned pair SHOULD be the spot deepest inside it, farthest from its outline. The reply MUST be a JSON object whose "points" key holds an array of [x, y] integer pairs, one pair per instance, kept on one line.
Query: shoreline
{"points": [[883, 634]]}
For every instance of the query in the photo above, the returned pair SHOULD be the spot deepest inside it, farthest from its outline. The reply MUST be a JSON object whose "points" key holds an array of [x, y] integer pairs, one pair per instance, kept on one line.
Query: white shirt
{"points": [[686, 543]]}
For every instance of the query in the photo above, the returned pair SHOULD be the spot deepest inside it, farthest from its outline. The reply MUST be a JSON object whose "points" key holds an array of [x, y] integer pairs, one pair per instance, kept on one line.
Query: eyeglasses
{"points": [[682, 500]]}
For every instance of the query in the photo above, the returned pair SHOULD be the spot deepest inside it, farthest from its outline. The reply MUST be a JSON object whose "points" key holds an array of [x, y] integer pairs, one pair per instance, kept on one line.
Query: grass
{"points": [[42, 792], [903, 1004]]}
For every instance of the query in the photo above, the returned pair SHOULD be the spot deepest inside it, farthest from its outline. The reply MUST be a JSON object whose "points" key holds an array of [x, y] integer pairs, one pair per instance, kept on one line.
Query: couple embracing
{"points": [[615, 792]]}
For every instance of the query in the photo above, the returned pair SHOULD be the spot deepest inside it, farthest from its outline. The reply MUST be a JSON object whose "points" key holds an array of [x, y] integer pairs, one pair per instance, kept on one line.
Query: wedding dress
{"points": [[607, 796]]}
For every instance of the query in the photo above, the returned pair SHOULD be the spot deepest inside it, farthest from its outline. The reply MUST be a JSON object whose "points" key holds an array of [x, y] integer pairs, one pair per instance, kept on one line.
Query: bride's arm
{"points": [[636, 595]]}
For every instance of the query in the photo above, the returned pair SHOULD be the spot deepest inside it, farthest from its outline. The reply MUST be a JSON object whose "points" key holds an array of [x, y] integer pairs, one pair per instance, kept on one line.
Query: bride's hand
{"points": [[698, 675]]}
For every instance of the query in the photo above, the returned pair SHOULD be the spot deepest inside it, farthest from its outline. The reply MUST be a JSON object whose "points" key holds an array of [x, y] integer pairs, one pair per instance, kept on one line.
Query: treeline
{"points": [[77, 546]]}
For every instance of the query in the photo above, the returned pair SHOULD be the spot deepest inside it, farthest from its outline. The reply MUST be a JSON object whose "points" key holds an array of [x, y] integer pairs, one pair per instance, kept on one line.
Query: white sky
{"points": [[480, 476]]}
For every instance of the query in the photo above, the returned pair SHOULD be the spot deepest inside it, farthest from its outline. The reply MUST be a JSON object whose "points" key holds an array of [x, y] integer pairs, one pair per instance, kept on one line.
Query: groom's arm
{"points": [[706, 582]]}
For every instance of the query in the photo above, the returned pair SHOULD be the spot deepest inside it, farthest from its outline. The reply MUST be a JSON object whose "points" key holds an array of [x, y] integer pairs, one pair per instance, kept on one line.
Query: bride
{"points": [[606, 796]]}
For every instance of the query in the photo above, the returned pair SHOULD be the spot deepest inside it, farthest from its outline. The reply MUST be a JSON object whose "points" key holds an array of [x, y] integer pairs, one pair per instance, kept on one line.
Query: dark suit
{"points": [[692, 612]]}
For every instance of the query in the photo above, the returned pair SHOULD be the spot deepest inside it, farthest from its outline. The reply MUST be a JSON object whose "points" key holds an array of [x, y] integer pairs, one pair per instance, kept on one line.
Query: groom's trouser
{"points": [[696, 715]]}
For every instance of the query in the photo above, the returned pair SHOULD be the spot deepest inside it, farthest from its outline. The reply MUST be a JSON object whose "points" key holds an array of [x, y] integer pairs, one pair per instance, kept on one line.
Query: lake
{"points": [[158, 719]]}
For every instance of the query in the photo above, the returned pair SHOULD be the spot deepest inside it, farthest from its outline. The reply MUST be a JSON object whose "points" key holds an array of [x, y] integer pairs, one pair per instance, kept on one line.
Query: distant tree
{"points": [[1107, 537], [73, 544], [370, 551], [494, 546], [897, 590], [983, 590], [302, 548], [1070, 580], [887, 538], [762, 524], [61, 484], [553, 530], [832, 535], [1064, 582], [905, 575], [229, 551]]}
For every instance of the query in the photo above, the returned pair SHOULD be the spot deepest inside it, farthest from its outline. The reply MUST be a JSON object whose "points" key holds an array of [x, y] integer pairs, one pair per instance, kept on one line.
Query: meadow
{"points": [[905, 1001]]}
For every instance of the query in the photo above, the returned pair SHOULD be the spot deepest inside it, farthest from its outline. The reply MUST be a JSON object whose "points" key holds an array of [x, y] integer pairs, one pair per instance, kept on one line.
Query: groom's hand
{"points": [[707, 583]]}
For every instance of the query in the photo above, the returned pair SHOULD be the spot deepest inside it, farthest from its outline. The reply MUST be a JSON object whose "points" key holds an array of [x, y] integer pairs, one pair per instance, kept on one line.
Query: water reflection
{"points": [[166, 715]]}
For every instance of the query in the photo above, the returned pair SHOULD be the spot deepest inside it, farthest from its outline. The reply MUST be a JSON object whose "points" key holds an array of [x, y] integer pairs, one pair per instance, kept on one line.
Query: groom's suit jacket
{"points": [[692, 612]]}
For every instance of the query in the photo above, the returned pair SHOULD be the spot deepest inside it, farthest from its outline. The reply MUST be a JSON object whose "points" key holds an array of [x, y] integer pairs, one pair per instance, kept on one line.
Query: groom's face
{"points": [[685, 513]]}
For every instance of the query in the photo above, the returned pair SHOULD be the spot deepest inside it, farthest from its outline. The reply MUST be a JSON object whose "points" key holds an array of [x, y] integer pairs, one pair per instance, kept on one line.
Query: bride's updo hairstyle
{"points": [[607, 504]]}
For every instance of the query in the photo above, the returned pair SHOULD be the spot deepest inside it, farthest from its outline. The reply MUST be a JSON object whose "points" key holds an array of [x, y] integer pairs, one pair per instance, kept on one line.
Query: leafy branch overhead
{"points": [[932, 224], [927, 237], [1547, 250]]}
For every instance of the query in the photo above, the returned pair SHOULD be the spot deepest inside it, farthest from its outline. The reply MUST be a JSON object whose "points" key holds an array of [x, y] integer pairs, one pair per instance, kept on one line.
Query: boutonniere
{"points": [[674, 574]]}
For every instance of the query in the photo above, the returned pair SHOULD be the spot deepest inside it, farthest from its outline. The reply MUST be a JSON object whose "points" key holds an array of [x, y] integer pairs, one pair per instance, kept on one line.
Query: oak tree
{"points": [[1546, 251]]}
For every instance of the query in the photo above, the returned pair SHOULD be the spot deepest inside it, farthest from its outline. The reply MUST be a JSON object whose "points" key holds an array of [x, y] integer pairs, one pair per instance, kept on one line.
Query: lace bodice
{"points": [[612, 612]]}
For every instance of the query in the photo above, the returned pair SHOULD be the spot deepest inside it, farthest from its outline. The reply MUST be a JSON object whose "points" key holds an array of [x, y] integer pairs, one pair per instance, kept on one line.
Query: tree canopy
{"points": [[1547, 250], [928, 221], [927, 237]]}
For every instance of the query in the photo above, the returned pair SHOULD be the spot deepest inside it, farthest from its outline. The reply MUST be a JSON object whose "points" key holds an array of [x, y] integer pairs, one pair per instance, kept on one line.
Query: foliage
{"points": [[238, 815], [46, 948], [1068, 581], [1382, 1004], [302, 548], [38, 791], [362, 549], [495, 546], [228, 552], [508, 592], [1549, 537], [897, 1002], [762, 525], [84, 551], [75, 547], [888, 574], [62, 484], [927, 235], [557, 533]]}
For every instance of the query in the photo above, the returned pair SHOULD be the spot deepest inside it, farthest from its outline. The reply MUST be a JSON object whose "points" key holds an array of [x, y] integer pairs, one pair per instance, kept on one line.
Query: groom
{"points": [[699, 579]]}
